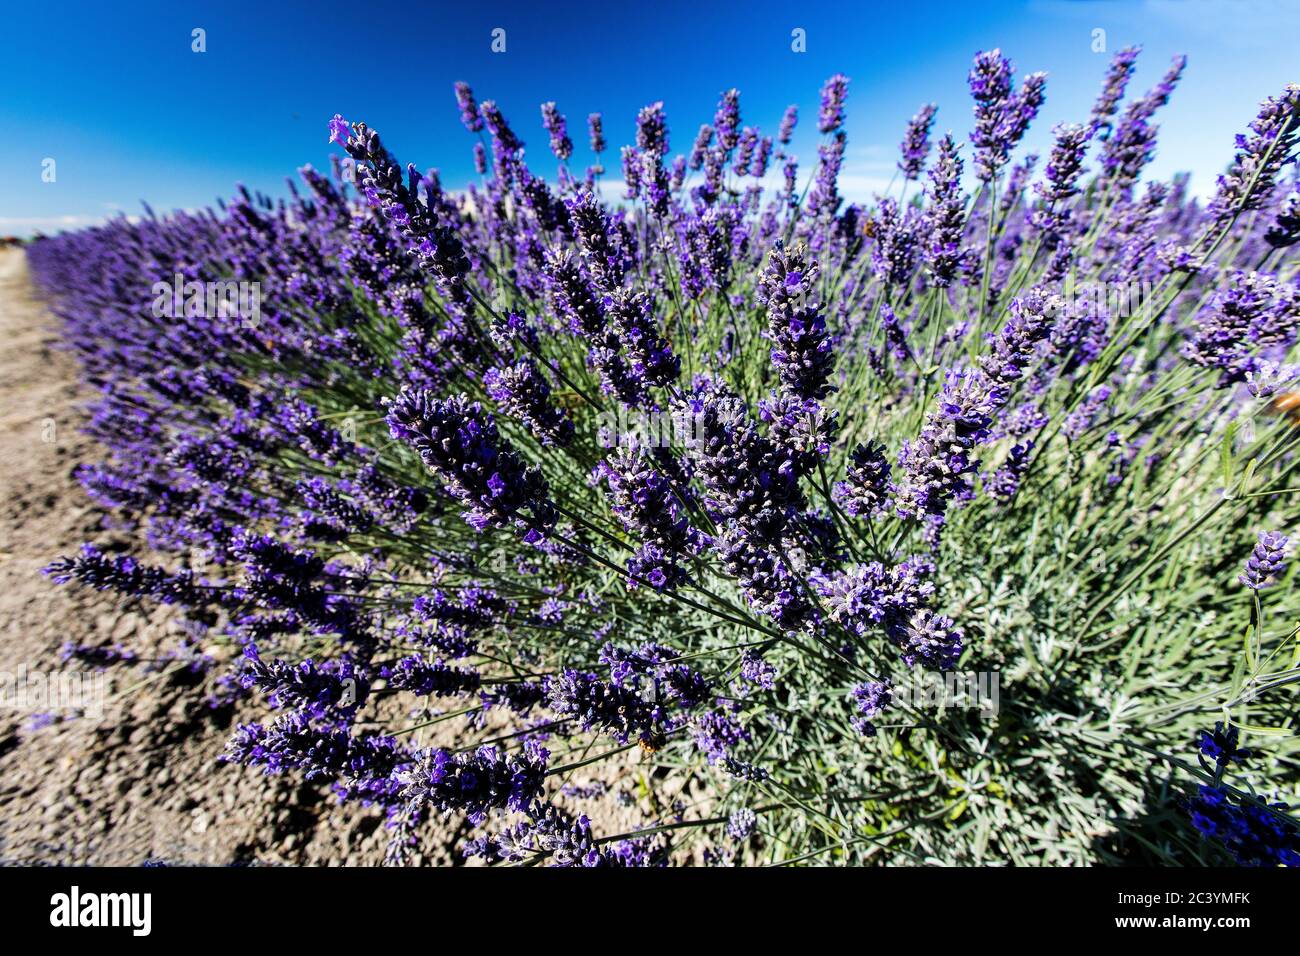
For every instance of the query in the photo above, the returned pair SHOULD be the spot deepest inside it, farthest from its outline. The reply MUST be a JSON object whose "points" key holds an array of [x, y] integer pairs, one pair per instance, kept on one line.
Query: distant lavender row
{"points": [[905, 443]]}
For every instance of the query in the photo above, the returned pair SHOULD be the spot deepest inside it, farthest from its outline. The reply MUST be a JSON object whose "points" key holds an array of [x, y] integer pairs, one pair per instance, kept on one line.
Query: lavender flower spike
{"points": [[945, 215], [785, 132], [456, 439], [522, 390], [801, 348], [469, 114], [831, 116], [1270, 146], [990, 86], [726, 121], [916, 142], [1267, 561], [1062, 175], [553, 121], [1117, 77], [596, 131], [935, 466], [863, 490], [474, 783]]}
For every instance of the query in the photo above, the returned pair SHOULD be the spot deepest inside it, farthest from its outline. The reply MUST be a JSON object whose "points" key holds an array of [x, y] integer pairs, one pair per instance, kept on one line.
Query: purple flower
{"points": [[648, 504], [872, 698], [726, 121], [1270, 377], [718, 732], [469, 114], [916, 142], [700, 148], [595, 131], [659, 677], [934, 467], [945, 215], [757, 671], [745, 148], [1079, 421], [361, 764], [1062, 175], [830, 117], [1024, 107], [865, 486], [647, 164], [522, 391], [801, 347], [1285, 230], [1117, 77], [870, 599], [618, 711], [340, 130], [381, 181], [298, 581], [473, 783], [553, 121], [1221, 746], [631, 173], [786, 130], [430, 678], [1001, 115], [758, 167], [1253, 834], [894, 254], [335, 687], [459, 442], [752, 492], [1267, 561], [1251, 314], [1005, 482], [741, 824], [990, 86], [1271, 145], [652, 130], [126, 575], [563, 840], [507, 148], [824, 196], [455, 622], [1132, 144]]}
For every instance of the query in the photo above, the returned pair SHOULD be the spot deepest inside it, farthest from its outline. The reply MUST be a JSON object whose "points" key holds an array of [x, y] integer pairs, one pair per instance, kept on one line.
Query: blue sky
{"points": [[113, 93]]}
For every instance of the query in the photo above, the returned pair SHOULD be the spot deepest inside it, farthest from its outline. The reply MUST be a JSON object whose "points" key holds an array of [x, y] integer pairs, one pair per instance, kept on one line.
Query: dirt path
{"points": [[142, 781]]}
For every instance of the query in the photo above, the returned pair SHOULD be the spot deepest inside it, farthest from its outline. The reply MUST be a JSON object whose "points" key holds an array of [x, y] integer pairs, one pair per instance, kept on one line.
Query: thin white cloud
{"points": [[860, 181], [25, 224], [48, 221]]}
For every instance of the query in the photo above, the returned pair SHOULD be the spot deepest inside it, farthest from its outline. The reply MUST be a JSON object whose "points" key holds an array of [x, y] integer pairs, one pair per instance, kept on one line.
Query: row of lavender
{"points": [[1008, 425]]}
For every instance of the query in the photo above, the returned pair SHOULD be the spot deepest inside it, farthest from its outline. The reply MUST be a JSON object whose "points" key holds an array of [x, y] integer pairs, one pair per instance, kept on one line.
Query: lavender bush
{"points": [[1000, 423]]}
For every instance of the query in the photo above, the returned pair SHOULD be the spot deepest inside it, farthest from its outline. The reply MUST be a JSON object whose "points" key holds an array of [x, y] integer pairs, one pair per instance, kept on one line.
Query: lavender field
{"points": [[946, 528]]}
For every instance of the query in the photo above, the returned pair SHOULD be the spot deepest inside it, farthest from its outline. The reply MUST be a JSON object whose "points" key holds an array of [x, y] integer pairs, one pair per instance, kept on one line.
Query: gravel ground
{"points": [[143, 780]]}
